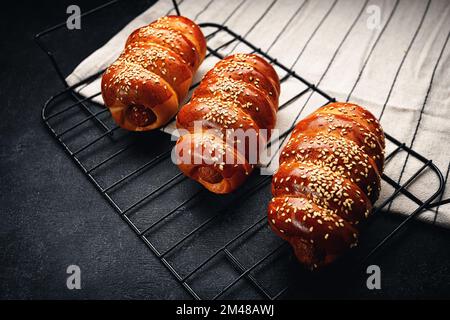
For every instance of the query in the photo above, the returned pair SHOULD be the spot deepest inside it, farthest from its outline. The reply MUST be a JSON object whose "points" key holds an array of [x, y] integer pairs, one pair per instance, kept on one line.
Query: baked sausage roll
{"points": [[327, 182], [238, 96], [144, 87]]}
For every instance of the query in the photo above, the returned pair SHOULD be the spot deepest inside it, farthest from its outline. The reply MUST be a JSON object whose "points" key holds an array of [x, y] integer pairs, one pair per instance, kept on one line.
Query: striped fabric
{"points": [[391, 56]]}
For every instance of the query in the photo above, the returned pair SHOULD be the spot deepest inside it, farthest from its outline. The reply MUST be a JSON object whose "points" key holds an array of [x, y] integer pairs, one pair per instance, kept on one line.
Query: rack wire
{"points": [[226, 243]]}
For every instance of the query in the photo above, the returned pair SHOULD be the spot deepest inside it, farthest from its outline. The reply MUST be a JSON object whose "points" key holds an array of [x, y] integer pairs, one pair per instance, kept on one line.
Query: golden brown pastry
{"points": [[145, 86], [240, 93], [327, 182]]}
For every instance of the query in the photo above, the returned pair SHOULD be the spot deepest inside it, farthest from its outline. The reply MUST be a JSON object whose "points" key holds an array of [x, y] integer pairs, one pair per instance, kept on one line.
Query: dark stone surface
{"points": [[52, 216]]}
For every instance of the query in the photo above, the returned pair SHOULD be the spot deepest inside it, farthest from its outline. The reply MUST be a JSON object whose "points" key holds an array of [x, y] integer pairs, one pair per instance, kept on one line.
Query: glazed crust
{"points": [[327, 182], [240, 93], [162, 58]]}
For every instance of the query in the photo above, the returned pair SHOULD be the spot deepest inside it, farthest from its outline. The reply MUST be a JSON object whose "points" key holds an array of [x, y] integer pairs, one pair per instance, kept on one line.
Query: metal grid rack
{"points": [[226, 242]]}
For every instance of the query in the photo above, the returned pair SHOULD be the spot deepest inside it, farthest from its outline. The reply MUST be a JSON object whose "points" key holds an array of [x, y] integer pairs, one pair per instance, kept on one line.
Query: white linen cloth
{"points": [[391, 56]]}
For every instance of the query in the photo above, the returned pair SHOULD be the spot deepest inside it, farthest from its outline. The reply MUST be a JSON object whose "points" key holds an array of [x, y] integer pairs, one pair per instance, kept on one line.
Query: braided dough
{"points": [[327, 182]]}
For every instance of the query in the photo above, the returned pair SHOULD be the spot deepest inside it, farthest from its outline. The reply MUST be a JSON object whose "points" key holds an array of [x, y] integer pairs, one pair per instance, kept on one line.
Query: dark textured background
{"points": [[51, 216]]}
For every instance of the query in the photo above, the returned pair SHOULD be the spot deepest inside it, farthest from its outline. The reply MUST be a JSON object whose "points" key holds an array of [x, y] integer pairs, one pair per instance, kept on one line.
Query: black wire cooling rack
{"points": [[213, 245]]}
